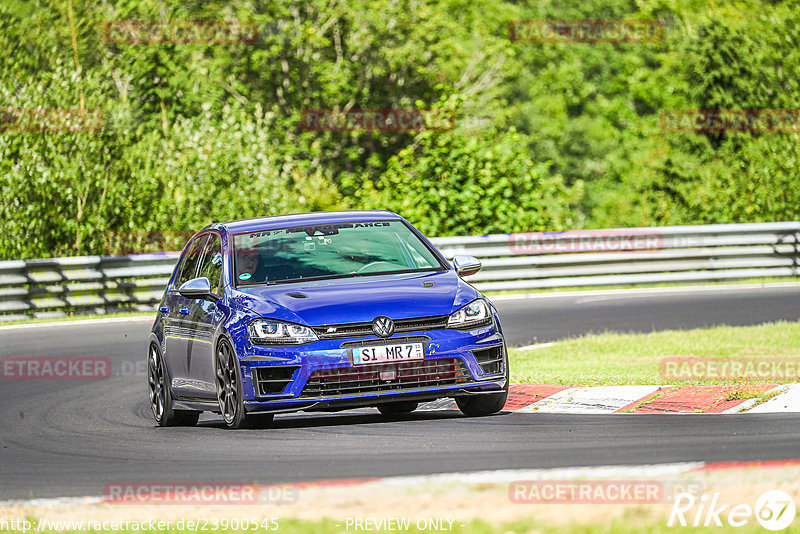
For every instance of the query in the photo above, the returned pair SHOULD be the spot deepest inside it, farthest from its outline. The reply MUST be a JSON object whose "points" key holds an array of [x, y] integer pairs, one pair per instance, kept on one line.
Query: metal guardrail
{"points": [[55, 287], [58, 286], [631, 256]]}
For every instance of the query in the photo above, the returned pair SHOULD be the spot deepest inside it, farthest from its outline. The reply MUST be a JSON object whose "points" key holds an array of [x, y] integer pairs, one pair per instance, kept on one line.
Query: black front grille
{"points": [[421, 323], [273, 380], [417, 324], [490, 360], [386, 377]]}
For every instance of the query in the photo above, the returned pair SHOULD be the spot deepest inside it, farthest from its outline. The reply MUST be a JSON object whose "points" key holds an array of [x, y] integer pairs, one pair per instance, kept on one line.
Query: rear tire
{"points": [[161, 394], [395, 408]]}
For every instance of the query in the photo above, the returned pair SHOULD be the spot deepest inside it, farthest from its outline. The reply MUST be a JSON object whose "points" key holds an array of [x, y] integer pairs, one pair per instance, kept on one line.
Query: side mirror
{"points": [[197, 288], [466, 265]]}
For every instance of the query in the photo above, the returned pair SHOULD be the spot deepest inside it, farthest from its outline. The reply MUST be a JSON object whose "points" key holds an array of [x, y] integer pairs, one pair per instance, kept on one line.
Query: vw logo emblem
{"points": [[383, 326]]}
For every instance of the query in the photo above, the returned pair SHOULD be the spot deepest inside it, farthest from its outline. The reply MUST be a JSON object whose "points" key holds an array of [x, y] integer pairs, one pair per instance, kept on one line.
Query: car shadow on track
{"points": [[317, 420]]}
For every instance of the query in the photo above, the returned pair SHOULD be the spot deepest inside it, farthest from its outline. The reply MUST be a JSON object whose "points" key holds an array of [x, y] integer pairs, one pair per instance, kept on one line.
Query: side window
{"points": [[211, 266], [190, 261]]}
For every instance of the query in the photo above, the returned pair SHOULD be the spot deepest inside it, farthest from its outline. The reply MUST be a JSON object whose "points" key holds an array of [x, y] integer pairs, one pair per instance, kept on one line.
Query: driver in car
{"points": [[249, 267]]}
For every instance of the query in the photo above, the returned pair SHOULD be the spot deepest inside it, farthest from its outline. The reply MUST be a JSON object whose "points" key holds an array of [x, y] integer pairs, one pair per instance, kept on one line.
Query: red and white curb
{"points": [[717, 399], [602, 399]]}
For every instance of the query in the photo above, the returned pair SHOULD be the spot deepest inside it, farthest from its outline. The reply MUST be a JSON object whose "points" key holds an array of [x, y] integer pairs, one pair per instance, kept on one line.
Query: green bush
{"points": [[548, 136]]}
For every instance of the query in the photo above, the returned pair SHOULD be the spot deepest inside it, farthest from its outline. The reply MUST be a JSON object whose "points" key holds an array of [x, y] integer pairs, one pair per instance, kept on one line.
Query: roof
{"points": [[302, 219]]}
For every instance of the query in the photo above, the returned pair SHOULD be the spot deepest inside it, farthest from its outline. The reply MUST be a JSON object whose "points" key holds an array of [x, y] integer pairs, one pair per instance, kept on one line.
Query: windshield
{"points": [[330, 251]]}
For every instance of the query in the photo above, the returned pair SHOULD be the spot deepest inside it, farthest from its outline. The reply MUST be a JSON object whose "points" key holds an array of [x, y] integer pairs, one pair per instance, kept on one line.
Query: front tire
{"points": [[229, 391], [161, 394], [479, 405], [487, 404]]}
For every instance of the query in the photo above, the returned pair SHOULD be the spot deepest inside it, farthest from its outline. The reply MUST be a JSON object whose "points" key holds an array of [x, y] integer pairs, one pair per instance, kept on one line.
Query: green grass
{"points": [[625, 359], [744, 393], [80, 317]]}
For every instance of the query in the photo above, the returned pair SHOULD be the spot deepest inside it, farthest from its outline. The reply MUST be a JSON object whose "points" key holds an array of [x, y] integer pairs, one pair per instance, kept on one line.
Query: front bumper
{"points": [[457, 363]]}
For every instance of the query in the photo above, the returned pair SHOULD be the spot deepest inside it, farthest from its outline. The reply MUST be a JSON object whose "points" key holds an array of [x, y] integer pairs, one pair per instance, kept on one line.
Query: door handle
{"points": [[163, 309], [184, 311]]}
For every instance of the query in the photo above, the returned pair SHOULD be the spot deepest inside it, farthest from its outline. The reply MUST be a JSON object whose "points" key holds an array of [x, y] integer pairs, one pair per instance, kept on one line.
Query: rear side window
{"points": [[190, 260], [211, 266]]}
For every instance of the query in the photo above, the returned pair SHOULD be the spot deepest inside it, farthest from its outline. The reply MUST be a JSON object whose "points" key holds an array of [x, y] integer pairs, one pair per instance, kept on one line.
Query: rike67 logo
{"points": [[774, 510]]}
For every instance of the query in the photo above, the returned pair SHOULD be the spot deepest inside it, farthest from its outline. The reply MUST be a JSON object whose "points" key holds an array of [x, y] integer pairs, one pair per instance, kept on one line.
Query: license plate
{"points": [[388, 353]]}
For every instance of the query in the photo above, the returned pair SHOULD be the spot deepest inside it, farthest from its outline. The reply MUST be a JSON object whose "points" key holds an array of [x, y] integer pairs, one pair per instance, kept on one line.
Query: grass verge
{"points": [[631, 359], [79, 318]]}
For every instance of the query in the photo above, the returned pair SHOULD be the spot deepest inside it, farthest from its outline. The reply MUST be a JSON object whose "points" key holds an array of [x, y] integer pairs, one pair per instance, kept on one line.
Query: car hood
{"points": [[356, 300]]}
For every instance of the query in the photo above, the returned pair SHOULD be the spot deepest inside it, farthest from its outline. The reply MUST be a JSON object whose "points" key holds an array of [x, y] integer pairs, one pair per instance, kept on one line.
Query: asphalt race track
{"points": [[551, 316], [71, 438]]}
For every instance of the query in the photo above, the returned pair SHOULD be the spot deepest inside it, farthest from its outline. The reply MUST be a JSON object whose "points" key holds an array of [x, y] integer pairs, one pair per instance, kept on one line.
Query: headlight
{"points": [[476, 313], [268, 332]]}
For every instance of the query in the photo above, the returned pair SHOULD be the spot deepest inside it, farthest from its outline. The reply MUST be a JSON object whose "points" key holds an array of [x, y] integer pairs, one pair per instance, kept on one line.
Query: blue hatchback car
{"points": [[321, 312]]}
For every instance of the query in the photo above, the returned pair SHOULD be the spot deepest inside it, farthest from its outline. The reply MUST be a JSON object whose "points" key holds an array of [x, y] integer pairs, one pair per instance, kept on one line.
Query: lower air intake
{"points": [[386, 377], [490, 360], [272, 380]]}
